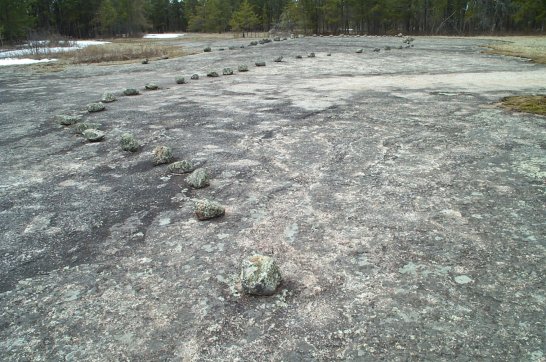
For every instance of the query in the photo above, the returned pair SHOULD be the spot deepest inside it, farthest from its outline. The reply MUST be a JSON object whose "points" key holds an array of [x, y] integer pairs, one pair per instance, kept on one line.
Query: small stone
{"points": [[212, 74], [260, 64], [311, 55], [260, 275], [278, 59], [145, 61], [151, 86], [80, 127], [95, 107], [243, 68], [299, 57], [131, 92], [183, 166], [207, 50], [387, 48], [277, 38], [360, 51], [242, 47], [108, 97], [227, 71], [129, 143], [329, 54], [68, 120], [180, 80], [164, 57], [195, 77], [205, 209], [199, 179], [376, 50], [252, 43], [231, 48], [221, 49], [162, 155], [462, 279], [93, 135]]}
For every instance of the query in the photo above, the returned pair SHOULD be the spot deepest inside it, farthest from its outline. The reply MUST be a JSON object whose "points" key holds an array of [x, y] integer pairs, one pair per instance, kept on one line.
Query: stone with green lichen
{"points": [[162, 155], [207, 50], [260, 275], [151, 86], [95, 107], [131, 92], [68, 120], [180, 80], [183, 166], [212, 74], [278, 59], [195, 76], [260, 64], [311, 55], [80, 127], [199, 178], [93, 135], [227, 71], [299, 57], [243, 68], [108, 97], [129, 143], [206, 209]]}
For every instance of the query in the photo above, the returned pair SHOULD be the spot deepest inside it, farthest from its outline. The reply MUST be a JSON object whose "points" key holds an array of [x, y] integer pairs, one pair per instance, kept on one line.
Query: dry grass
{"points": [[530, 47], [122, 52], [530, 104]]}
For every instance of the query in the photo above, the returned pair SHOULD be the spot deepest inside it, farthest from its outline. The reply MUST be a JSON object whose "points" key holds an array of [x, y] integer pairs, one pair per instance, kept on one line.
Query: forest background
{"points": [[27, 19]]}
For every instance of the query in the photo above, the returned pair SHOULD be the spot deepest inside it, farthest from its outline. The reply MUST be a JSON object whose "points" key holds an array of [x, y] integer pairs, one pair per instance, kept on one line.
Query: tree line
{"points": [[102, 18]]}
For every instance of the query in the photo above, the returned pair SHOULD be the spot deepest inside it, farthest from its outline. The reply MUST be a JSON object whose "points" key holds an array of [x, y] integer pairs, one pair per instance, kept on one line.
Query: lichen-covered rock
{"points": [[311, 55], [180, 80], [131, 92], [206, 209], [95, 107], [260, 275], [68, 120], [299, 57], [93, 135], [376, 50], [221, 49], [207, 50], [129, 143], [195, 76], [162, 155], [329, 54], [232, 48], [80, 127], [179, 167], [278, 59], [227, 71], [212, 74], [108, 97], [199, 178], [260, 64], [252, 43], [387, 48], [242, 68], [151, 86], [277, 38], [360, 51]]}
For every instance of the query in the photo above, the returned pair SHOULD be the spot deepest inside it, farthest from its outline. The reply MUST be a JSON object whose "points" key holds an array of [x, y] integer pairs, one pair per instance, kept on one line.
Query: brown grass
{"points": [[529, 104], [530, 47], [117, 52]]}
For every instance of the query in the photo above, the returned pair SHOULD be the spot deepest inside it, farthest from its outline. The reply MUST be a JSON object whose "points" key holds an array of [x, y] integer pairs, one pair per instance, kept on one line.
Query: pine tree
{"points": [[244, 19]]}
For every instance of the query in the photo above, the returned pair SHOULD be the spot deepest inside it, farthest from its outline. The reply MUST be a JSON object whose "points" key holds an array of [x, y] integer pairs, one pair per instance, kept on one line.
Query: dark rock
{"points": [[207, 50], [299, 57], [180, 80], [180, 167], [212, 74], [277, 38], [252, 43], [80, 127], [95, 107], [311, 55], [199, 179], [329, 54], [388, 48], [206, 209], [260, 64], [360, 50], [227, 71], [260, 275], [151, 86], [129, 143], [278, 59], [162, 155], [131, 92], [195, 76], [145, 61], [243, 68], [376, 50]]}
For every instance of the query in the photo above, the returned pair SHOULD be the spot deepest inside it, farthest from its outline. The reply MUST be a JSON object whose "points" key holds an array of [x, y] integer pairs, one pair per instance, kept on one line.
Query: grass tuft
{"points": [[529, 104]]}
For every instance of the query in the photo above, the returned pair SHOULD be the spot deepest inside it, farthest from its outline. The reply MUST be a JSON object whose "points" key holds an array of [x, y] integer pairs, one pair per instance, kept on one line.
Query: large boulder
{"points": [[129, 143], [199, 178], [162, 155], [206, 209], [260, 275]]}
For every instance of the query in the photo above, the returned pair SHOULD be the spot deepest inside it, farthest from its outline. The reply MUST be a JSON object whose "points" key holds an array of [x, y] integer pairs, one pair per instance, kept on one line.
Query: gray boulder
{"points": [[207, 50], [260, 64], [129, 143], [199, 178], [242, 68], [93, 135], [278, 59], [145, 61], [206, 209], [180, 80], [260, 275], [311, 55], [299, 57], [108, 97], [151, 86], [227, 71], [252, 43], [329, 54], [68, 120], [179, 167], [95, 107], [80, 127], [377, 50], [212, 74], [360, 50], [131, 92], [195, 76], [277, 38], [162, 155], [388, 48]]}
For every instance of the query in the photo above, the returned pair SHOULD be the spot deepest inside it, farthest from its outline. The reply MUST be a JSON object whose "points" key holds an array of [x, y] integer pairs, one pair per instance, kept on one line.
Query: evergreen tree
{"points": [[15, 18], [244, 19]]}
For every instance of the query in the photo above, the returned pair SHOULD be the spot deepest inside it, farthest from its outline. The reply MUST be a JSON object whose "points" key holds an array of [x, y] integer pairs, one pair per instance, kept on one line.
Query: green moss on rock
{"points": [[162, 155], [260, 275], [129, 143], [199, 178], [206, 209]]}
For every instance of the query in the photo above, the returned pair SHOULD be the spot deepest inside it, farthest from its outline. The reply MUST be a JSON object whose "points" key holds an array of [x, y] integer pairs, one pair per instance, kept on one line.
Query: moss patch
{"points": [[529, 104]]}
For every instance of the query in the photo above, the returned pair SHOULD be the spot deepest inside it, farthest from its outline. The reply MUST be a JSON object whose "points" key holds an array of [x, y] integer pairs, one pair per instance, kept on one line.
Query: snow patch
{"points": [[40, 47], [163, 36], [23, 61]]}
